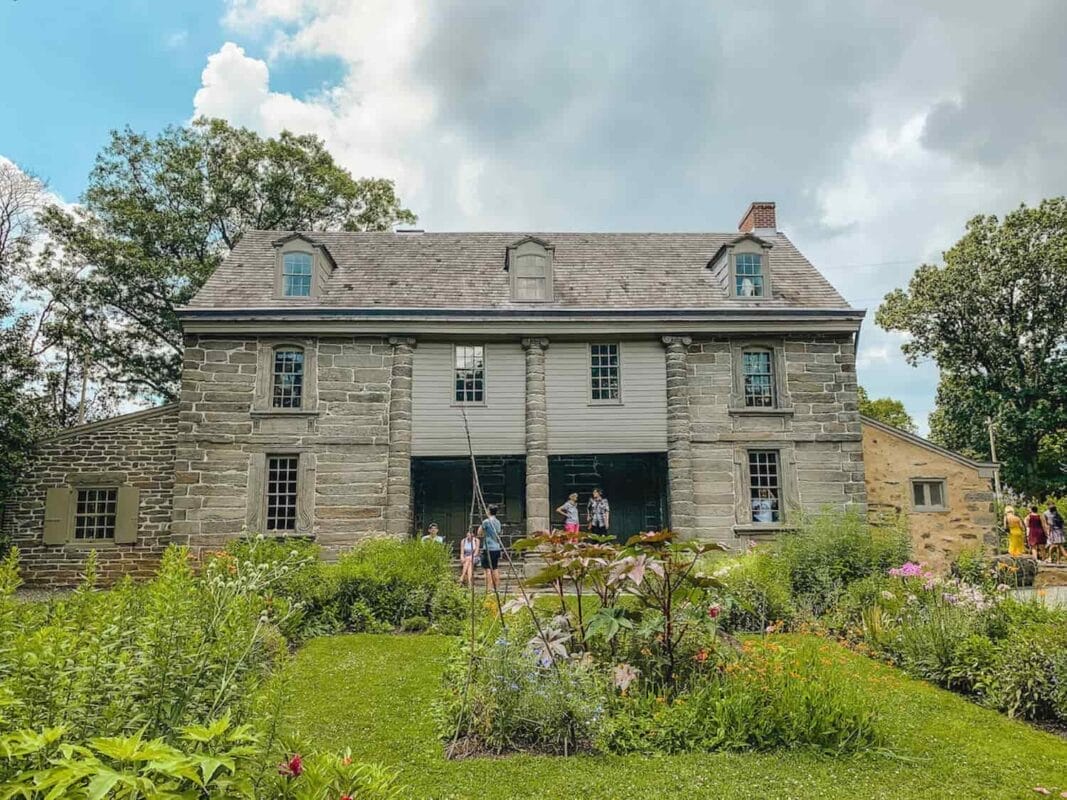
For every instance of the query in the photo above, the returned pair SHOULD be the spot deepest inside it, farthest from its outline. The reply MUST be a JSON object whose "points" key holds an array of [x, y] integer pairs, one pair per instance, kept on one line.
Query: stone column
{"points": [[679, 455], [398, 483], [537, 500]]}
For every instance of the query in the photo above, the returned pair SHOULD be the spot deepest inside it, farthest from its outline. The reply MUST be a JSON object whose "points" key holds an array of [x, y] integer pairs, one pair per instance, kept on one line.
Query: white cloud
{"points": [[176, 40]]}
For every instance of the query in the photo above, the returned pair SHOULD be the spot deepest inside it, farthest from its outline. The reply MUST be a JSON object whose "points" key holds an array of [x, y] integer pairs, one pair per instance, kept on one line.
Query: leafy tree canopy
{"points": [[994, 318], [887, 410], [158, 216]]}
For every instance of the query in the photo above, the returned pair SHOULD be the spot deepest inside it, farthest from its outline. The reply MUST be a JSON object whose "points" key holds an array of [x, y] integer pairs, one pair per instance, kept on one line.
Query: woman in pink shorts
{"points": [[570, 512]]}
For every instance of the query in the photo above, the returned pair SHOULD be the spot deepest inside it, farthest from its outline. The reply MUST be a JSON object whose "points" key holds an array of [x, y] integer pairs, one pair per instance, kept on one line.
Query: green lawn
{"points": [[373, 694]]}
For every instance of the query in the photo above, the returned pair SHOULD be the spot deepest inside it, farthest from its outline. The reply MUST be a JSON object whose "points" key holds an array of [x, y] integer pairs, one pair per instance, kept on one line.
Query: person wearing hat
{"points": [[1016, 532]]}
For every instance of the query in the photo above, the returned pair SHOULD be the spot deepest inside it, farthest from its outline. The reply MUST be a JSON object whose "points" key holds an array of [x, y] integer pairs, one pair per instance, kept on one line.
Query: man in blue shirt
{"points": [[491, 530]]}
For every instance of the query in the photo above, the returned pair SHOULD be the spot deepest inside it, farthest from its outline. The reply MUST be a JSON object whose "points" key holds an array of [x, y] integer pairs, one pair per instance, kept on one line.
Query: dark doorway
{"points": [[634, 483], [441, 493]]}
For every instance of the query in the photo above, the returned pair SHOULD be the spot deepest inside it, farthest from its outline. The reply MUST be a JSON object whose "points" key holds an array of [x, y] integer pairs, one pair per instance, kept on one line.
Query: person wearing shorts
{"points": [[569, 510], [490, 530], [599, 513]]}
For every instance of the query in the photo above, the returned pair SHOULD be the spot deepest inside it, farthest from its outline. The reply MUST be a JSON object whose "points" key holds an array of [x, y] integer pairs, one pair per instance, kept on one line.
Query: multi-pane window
{"points": [[281, 492], [764, 485], [531, 277], [928, 495], [758, 369], [469, 374], [748, 272], [604, 372], [94, 515], [296, 274], [288, 378]]}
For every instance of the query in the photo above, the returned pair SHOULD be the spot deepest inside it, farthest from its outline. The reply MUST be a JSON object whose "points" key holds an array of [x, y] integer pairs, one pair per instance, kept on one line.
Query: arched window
{"points": [[757, 368], [287, 385], [530, 264], [296, 274]]}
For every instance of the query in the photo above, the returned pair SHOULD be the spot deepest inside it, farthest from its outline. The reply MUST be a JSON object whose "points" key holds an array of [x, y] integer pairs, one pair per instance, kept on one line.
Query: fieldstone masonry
{"points": [[679, 433], [398, 510], [135, 450], [538, 504]]}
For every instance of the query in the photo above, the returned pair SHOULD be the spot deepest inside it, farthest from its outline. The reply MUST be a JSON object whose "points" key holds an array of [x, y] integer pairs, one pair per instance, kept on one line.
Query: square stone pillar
{"points": [[398, 516], [679, 447], [537, 500]]}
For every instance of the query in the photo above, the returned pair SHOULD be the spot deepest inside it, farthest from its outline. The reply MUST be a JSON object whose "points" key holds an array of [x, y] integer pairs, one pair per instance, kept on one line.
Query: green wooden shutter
{"points": [[126, 514], [57, 511]]}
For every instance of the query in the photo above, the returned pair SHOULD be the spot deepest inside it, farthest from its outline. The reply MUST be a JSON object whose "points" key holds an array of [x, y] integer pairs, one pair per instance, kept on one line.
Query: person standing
{"points": [[1036, 535], [433, 534], [1016, 532], [569, 510], [491, 529], [599, 514], [1054, 531], [469, 549]]}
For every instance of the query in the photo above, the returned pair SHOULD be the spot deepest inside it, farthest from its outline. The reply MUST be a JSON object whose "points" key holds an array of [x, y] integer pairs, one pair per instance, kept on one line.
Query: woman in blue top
{"points": [[491, 530]]}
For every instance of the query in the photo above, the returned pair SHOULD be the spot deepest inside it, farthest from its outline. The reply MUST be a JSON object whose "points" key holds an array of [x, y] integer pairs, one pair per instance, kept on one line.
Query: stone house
{"points": [[334, 381], [946, 497]]}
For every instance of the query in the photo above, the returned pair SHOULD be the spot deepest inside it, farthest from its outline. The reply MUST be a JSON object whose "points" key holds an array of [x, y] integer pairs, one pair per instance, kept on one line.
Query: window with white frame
{"points": [[288, 377], [282, 478], [757, 368], [928, 495], [296, 274], [764, 486], [604, 373], [95, 514], [469, 373], [748, 274]]}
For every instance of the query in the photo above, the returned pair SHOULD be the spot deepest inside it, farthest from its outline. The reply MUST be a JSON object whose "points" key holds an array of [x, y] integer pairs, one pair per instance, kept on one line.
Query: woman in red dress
{"points": [[1036, 535]]}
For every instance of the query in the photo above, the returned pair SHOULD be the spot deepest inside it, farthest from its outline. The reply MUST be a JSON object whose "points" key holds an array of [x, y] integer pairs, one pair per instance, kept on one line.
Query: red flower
{"points": [[714, 611], [346, 797], [291, 768], [344, 763], [701, 656]]}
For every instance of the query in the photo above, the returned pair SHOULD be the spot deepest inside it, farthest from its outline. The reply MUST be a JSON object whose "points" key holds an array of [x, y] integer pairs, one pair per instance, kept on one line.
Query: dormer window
{"points": [[296, 274], [748, 274], [530, 264]]}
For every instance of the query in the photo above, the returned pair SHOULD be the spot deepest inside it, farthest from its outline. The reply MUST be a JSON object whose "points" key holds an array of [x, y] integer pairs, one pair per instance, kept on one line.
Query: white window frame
{"points": [[485, 377], [616, 401]]}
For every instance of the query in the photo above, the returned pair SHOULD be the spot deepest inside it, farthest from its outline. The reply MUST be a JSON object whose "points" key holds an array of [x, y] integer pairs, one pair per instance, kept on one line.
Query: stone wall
{"points": [[226, 427], [894, 459], [136, 450], [815, 428]]}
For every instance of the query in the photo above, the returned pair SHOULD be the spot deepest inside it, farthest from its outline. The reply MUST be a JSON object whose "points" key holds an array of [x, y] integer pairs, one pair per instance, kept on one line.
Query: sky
{"points": [[878, 128]]}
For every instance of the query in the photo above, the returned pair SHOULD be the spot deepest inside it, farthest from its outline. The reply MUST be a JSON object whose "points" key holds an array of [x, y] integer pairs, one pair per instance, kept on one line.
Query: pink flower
{"points": [[714, 610]]}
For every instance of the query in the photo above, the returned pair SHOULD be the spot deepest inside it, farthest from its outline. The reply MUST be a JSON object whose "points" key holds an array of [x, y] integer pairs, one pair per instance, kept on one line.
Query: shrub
{"points": [[361, 619], [757, 591], [415, 624], [514, 702], [1028, 676], [773, 696], [831, 550]]}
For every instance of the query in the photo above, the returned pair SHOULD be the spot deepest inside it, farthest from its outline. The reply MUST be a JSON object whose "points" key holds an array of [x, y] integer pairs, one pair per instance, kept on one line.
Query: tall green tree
{"points": [[887, 410], [159, 215], [994, 318]]}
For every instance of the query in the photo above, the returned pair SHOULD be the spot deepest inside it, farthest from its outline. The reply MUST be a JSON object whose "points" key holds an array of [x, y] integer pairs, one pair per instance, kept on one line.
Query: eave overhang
{"points": [[512, 321]]}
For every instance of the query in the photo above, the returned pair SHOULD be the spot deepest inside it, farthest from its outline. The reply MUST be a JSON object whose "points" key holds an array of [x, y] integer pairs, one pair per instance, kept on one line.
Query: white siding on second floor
{"points": [[637, 424], [498, 427]]}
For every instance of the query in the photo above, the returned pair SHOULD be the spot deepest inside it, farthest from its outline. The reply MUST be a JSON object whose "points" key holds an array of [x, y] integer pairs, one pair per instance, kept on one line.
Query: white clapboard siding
{"points": [[497, 428], [576, 425]]}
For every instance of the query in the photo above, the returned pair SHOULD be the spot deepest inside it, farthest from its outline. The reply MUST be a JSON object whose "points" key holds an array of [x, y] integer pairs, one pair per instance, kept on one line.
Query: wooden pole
{"points": [[993, 457]]}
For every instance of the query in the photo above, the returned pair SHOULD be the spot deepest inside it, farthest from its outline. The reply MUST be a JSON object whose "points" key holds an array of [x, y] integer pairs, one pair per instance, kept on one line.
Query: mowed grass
{"points": [[374, 695]]}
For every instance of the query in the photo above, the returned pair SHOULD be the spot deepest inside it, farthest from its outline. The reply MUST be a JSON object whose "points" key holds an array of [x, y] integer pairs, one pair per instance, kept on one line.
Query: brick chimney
{"points": [[759, 219]]}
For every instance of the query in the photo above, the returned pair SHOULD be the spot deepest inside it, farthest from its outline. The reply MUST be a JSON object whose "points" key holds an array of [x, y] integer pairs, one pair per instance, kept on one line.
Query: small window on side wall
{"points": [[287, 388], [282, 484], [297, 274], [748, 275], [604, 373], [469, 373], [928, 495]]}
